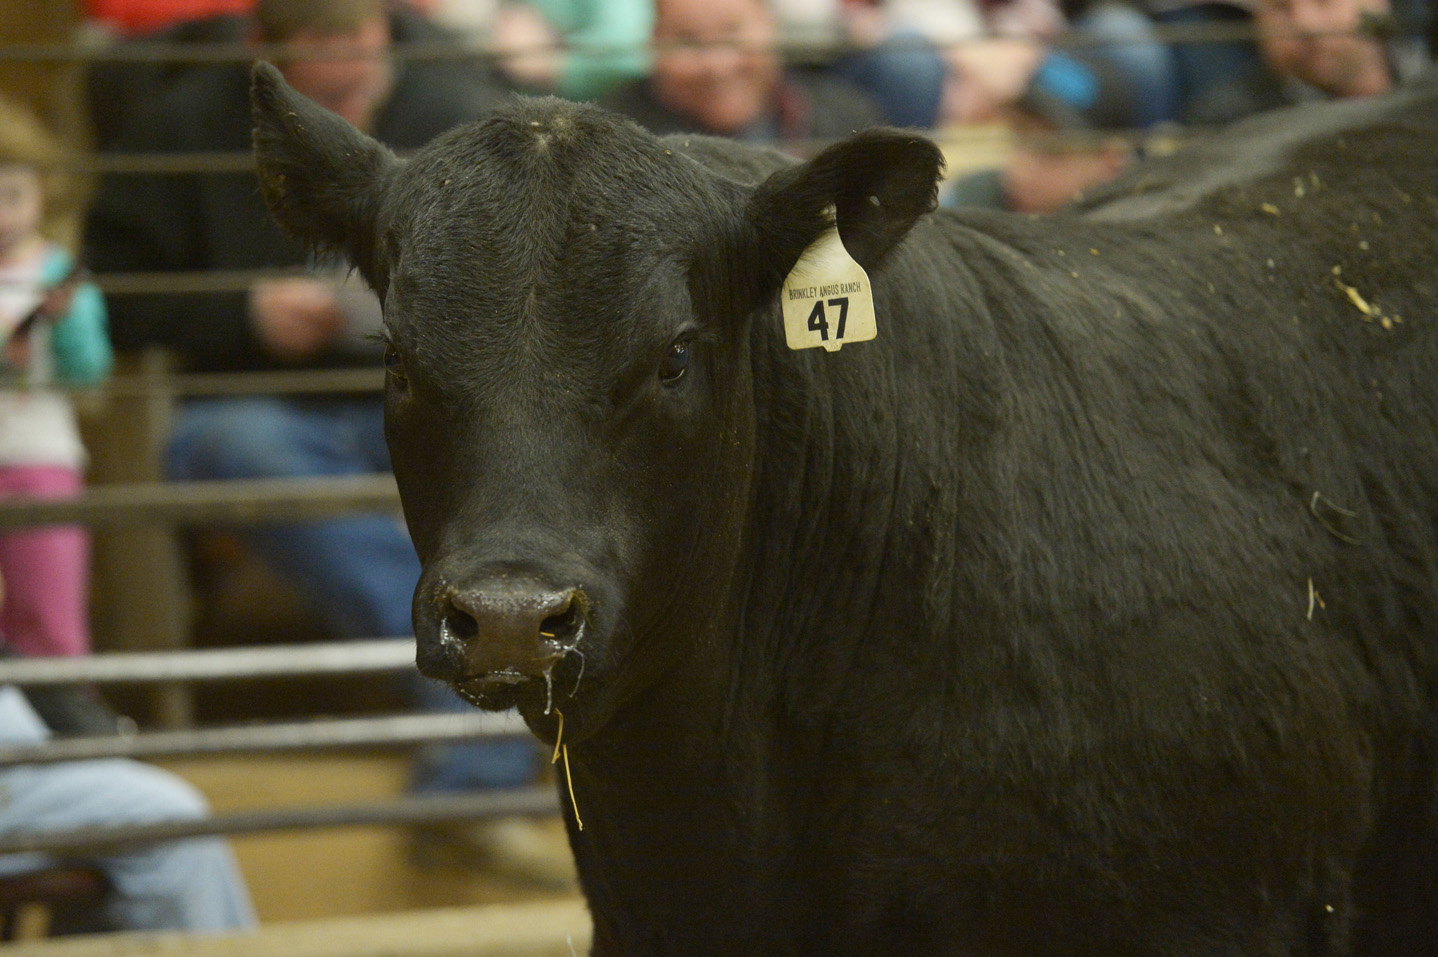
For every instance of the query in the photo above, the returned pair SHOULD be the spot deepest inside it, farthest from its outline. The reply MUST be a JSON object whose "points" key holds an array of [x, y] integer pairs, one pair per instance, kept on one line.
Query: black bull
{"points": [[1090, 609]]}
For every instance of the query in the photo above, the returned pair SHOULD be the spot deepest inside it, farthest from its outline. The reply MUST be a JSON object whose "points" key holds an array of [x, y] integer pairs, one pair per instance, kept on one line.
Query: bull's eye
{"points": [[393, 364], [675, 362]]}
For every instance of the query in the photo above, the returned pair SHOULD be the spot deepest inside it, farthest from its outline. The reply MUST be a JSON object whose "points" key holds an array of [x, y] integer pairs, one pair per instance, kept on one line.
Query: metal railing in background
{"points": [[407, 811], [320, 734], [316, 735], [141, 574], [794, 50], [211, 502], [217, 664]]}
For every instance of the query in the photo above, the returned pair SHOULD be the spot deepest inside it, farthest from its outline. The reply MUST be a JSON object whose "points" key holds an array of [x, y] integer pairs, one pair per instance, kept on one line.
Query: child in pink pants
{"points": [[48, 569], [52, 333]]}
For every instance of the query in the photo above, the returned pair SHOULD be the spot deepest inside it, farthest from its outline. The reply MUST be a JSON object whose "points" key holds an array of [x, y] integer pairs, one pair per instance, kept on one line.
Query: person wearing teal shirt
{"points": [[600, 44]]}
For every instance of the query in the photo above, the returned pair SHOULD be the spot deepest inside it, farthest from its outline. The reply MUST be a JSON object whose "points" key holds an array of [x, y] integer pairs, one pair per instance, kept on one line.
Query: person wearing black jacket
{"points": [[187, 222], [358, 570]]}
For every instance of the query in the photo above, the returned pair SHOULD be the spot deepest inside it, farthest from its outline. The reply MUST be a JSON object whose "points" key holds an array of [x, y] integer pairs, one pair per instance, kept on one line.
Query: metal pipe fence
{"points": [[315, 735], [218, 501], [271, 738], [215, 664], [406, 811], [793, 49]]}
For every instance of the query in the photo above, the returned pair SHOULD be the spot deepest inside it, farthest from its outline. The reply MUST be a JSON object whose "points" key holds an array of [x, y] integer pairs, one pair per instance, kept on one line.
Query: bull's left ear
{"points": [[878, 182], [321, 177]]}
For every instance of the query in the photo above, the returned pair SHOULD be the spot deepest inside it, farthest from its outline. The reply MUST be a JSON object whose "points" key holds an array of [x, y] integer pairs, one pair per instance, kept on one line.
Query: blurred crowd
{"points": [[1102, 74], [1076, 86]]}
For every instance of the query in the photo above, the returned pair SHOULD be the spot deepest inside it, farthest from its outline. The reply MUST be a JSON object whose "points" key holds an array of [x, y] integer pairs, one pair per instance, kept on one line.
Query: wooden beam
{"points": [[554, 928], [209, 502]]}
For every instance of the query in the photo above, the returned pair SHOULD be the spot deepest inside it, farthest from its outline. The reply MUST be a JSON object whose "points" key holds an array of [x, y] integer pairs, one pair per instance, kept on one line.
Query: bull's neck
{"points": [[683, 841], [859, 478], [848, 550], [826, 463]]}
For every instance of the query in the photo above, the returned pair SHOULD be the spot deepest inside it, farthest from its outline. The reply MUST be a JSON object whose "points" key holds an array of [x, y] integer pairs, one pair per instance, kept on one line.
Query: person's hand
{"points": [[53, 308], [17, 352], [57, 301], [987, 75], [295, 318]]}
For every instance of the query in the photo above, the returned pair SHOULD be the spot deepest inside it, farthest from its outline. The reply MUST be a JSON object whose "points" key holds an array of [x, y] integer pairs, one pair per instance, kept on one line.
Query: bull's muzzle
{"points": [[498, 632]]}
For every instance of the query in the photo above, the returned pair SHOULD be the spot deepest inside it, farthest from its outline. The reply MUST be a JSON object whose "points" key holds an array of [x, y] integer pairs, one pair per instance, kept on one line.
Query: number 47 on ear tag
{"points": [[826, 297]]}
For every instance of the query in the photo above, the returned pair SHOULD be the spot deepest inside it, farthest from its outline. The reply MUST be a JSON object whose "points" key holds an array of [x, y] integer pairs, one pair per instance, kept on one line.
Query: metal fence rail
{"points": [[215, 664], [797, 50], [216, 384], [208, 502], [322, 734], [273, 737], [532, 801]]}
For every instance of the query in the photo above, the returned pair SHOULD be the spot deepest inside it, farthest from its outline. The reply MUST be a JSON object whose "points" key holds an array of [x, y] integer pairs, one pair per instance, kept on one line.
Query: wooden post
{"points": [[141, 596]]}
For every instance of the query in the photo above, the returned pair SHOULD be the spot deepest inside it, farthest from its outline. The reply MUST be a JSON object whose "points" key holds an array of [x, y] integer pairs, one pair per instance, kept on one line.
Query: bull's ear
{"points": [[878, 183], [321, 177]]}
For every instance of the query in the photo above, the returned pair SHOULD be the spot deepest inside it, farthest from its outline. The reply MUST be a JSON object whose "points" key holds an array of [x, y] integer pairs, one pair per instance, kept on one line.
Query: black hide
{"points": [[1090, 609]]}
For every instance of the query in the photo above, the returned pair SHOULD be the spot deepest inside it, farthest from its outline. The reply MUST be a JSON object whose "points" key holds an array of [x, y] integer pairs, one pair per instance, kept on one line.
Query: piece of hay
{"points": [[562, 749]]}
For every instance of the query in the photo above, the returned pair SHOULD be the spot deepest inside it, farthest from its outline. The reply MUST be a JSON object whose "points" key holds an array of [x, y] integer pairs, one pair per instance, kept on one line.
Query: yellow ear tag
{"points": [[826, 297]]}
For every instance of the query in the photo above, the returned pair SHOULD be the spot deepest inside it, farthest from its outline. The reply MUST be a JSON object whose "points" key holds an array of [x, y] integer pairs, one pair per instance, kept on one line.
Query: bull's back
{"points": [[1215, 465]]}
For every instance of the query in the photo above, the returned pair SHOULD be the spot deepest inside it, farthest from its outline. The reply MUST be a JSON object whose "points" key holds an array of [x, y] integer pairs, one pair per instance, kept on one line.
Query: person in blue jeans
{"points": [[190, 885], [358, 571]]}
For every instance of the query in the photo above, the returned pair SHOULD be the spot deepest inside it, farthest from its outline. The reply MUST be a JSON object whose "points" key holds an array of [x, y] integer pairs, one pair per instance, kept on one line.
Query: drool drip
{"points": [[549, 673], [549, 683]]}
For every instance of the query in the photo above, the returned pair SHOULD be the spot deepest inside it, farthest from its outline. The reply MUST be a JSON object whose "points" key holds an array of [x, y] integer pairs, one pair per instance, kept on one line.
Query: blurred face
{"points": [[22, 204], [715, 60], [355, 81], [1046, 171], [1315, 41]]}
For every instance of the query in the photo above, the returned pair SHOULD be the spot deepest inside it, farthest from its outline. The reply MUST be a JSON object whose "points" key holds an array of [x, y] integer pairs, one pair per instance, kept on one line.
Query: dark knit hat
{"points": [[1077, 91]]}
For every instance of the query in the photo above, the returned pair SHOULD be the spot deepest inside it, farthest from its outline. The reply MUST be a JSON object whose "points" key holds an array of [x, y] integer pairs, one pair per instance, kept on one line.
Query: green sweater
{"points": [[79, 342], [607, 42]]}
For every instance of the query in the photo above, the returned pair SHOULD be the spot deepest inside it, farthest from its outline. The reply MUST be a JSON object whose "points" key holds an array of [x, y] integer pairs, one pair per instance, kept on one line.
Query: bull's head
{"points": [[571, 406]]}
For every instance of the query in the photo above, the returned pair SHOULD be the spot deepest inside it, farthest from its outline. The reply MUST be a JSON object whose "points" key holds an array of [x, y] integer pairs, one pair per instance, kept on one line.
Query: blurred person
{"points": [[1324, 49], [1205, 66], [1327, 45], [189, 885], [1125, 36], [929, 62], [1031, 41], [898, 55], [717, 70], [1063, 145], [52, 335], [579, 49], [893, 50], [360, 570]]}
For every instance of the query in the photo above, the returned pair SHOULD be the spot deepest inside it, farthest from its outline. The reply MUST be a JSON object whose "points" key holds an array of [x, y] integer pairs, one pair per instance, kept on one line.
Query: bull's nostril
{"points": [[460, 626], [563, 629]]}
